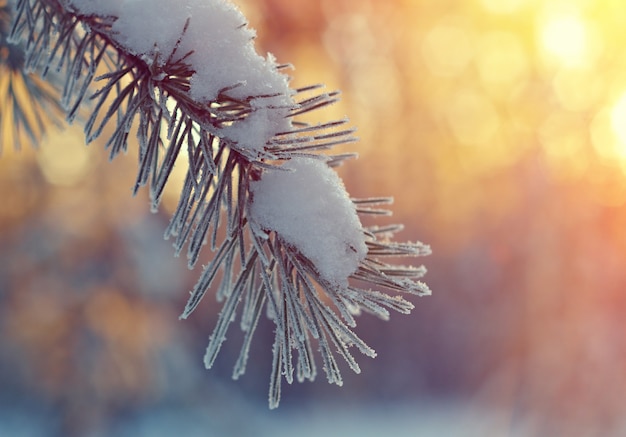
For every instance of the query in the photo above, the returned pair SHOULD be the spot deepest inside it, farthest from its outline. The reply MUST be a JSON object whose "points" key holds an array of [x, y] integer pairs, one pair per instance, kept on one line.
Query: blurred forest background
{"points": [[499, 126]]}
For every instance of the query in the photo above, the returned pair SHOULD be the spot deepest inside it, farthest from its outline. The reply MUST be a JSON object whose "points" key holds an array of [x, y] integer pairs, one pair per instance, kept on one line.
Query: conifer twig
{"points": [[28, 104], [249, 156]]}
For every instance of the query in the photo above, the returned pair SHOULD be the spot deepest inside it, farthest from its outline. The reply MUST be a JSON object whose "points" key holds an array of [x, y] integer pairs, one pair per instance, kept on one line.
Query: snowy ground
{"points": [[436, 419]]}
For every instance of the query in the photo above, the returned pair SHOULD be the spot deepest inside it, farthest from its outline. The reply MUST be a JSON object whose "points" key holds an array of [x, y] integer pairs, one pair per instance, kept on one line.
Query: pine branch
{"points": [[28, 103], [235, 190]]}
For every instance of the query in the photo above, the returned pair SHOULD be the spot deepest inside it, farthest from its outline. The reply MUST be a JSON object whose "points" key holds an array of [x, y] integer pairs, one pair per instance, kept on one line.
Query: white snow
{"points": [[248, 133], [223, 56], [309, 208]]}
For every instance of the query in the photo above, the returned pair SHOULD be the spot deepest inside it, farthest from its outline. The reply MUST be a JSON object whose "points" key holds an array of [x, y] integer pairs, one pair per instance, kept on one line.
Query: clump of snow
{"points": [[309, 208], [223, 56], [144, 27], [253, 131]]}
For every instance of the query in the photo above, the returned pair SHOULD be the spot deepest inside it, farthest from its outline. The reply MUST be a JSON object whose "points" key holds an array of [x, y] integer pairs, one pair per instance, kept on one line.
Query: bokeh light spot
{"points": [[564, 36], [63, 158], [502, 6], [578, 89], [605, 136], [447, 49], [618, 123], [501, 60], [564, 146], [472, 118]]}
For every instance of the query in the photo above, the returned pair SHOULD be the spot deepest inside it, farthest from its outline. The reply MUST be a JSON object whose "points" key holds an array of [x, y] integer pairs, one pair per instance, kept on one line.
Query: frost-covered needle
{"points": [[260, 193]]}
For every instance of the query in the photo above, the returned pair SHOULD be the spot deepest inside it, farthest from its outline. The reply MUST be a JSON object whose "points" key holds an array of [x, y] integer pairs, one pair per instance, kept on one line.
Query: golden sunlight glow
{"points": [[447, 49], [607, 136], [564, 146], [175, 182], [63, 158], [472, 118], [564, 36], [572, 94], [501, 60], [618, 123], [502, 6]]}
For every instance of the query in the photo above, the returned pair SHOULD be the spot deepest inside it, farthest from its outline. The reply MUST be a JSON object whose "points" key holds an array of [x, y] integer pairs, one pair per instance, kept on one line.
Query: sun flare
{"points": [[565, 37]]}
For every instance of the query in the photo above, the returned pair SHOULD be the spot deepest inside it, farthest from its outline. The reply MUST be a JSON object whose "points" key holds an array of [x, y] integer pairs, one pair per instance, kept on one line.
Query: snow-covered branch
{"points": [[188, 80]]}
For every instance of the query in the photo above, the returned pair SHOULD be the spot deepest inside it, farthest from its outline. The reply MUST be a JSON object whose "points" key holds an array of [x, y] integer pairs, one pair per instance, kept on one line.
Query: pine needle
{"points": [[89, 72]]}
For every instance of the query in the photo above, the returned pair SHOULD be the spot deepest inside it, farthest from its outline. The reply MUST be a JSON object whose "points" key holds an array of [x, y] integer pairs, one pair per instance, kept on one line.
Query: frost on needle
{"points": [[260, 191]]}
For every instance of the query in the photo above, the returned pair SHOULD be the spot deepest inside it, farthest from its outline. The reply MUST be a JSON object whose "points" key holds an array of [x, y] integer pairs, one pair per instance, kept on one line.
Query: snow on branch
{"points": [[260, 190]]}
